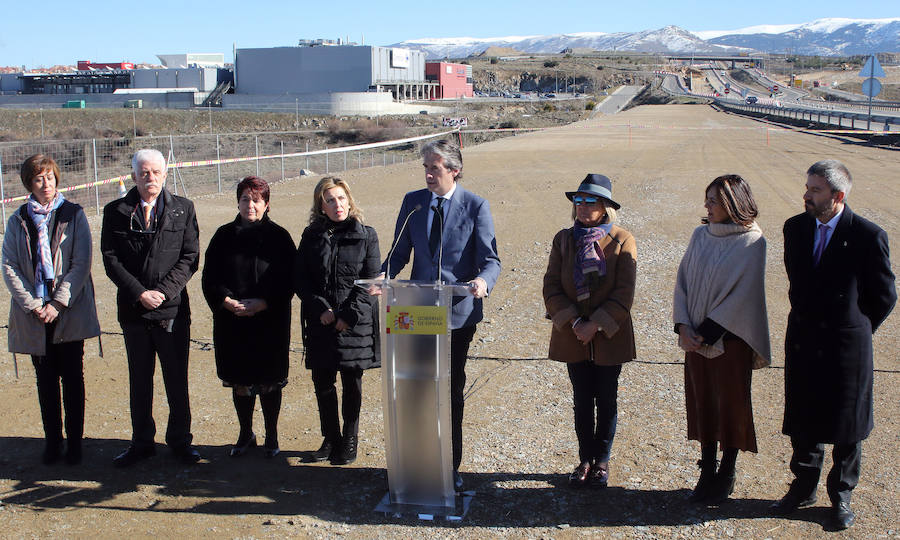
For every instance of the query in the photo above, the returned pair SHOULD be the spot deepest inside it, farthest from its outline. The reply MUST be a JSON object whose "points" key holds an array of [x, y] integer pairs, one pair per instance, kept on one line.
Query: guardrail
{"points": [[820, 114]]}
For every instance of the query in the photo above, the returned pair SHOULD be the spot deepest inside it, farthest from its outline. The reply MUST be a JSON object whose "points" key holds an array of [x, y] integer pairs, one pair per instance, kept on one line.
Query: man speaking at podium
{"points": [[451, 229]]}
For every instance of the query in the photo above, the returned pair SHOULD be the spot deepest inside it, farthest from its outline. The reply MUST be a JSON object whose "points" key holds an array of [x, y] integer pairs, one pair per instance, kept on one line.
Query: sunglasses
{"points": [[579, 200]]}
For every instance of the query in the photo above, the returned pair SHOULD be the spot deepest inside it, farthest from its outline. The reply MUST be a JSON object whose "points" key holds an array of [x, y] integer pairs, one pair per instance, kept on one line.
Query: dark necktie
{"points": [[820, 247], [437, 222]]}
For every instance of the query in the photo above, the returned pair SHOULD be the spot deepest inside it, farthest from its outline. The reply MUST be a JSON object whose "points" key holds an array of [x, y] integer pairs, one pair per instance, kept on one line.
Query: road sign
{"points": [[871, 87], [872, 68]]}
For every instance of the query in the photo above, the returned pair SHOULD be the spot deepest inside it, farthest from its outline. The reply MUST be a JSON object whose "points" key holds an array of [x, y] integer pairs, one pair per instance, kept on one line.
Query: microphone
{"points": [[397, 240]]}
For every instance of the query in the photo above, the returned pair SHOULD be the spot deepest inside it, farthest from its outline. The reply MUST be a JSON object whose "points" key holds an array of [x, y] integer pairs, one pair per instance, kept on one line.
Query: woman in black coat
{"points": [[339, 318], [247, 283]]}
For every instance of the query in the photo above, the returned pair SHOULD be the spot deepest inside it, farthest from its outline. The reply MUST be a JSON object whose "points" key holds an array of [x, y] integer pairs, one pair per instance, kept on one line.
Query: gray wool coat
{"points": [[73, 287]]}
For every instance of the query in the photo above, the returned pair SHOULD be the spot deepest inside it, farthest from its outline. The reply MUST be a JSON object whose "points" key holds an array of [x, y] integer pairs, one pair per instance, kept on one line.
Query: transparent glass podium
{"points": [[415, 370]]}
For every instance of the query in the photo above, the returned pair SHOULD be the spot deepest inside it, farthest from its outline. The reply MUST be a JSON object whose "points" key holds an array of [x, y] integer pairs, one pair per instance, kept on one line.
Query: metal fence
{"points": [[92, 169]]}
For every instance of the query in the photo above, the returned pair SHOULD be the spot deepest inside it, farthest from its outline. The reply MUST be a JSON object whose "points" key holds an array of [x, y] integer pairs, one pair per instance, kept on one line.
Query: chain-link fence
{"points": [[92, 169]]}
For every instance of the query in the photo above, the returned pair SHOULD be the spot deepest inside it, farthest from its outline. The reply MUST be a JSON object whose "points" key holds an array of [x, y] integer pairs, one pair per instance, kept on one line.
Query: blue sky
{"points": [[55, 32]]}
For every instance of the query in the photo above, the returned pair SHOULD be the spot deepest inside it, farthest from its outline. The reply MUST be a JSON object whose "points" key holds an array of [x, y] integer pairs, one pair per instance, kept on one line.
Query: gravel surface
{"points": [[519, 439]]}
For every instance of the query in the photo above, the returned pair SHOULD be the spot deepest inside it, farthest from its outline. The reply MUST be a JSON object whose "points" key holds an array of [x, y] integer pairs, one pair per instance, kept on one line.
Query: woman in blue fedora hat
{"points": [[588, 292]]}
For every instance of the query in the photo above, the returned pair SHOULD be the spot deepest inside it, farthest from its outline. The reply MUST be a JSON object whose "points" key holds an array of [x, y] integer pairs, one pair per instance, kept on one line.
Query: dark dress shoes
{"points": [[242, 445], [132, 455], [579, 476], [271, 447], [457, 481], [793, 500], [73, 452], [841, 517], [52, 452], [187, 455], [598, 477], [326, 451], [346, 452]]}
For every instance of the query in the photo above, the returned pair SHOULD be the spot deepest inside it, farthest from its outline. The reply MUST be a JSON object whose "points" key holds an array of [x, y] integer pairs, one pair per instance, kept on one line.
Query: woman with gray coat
{"points": [[47, 269]]}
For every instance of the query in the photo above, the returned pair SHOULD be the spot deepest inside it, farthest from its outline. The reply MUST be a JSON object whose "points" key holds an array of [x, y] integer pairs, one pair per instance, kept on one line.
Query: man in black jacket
{"points": [[841, 290], [151, 247]]}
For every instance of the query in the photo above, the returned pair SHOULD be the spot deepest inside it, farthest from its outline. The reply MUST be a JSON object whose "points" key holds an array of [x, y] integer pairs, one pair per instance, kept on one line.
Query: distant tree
{"points": [[551, 63]]}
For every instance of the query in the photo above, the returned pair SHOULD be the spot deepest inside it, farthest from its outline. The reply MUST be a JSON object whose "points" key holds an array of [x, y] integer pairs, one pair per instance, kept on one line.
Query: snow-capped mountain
{"points": [[827, 37], [823, 37], [668, 39]]}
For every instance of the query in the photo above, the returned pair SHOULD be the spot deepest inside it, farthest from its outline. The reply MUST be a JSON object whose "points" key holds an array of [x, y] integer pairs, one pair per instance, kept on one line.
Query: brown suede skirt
{"points": [[717, 396]]}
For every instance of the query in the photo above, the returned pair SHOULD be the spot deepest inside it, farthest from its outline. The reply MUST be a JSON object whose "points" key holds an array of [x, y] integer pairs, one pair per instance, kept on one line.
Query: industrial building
{"points": [[453, 80], [186, 60], [318, 70]]}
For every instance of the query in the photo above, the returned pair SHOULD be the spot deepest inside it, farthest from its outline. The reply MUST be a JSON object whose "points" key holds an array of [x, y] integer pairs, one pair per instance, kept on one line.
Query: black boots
{"points": [[706, 481], [714, 487], [340, 450], [327, 450], [346, 451]]}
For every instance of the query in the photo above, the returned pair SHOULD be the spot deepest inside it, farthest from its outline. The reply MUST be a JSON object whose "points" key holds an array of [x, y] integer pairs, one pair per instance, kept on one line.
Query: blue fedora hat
{"points": [[596, 184]]}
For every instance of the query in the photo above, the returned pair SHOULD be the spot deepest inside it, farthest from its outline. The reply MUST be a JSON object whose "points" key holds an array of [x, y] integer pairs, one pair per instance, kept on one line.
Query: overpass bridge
{"points": [[756, 62]]}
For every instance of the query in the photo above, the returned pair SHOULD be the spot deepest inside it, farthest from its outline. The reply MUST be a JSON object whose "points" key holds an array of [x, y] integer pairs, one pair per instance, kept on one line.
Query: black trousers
{"points": [[806, 464], [326, 397], [460, 339], [144, 341], [63, 362], [594, 388]]}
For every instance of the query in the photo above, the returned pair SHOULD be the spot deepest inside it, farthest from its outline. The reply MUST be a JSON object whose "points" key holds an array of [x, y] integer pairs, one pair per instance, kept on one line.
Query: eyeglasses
{"points": [[136, 222], [578, 200]]}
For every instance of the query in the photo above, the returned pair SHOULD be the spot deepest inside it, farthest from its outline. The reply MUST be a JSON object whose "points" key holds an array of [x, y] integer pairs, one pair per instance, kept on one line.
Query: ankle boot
{"points": [[707, 480], [723, 485], [327, 451], [346, 452]]}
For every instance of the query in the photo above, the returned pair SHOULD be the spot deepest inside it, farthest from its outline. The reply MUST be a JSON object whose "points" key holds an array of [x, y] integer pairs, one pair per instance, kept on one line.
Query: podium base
{"points": [[427, 512]]}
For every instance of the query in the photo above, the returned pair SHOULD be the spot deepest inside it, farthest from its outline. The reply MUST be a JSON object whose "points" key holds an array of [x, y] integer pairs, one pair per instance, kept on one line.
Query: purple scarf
{"points": [[588, 258], [40, 215]]}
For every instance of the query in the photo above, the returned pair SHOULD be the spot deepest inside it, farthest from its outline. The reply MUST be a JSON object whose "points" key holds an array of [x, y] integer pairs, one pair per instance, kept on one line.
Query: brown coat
{"points": [[609, 305]]}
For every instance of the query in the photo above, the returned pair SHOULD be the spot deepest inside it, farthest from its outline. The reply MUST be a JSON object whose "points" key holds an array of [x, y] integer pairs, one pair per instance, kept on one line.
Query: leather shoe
{"points": [[326, 451], [187, 455], [791, 502], [598, 477], [271, 447], [346, 451], [579, 476], [457, 481], [132, 455], [242, 445], [841, 517], [52, 452]]}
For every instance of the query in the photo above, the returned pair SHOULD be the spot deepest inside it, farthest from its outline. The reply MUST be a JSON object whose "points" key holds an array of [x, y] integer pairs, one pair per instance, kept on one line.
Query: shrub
{"points": [[551, 63], [548, 107], [509, 124], [494, 60], [589, 106]]}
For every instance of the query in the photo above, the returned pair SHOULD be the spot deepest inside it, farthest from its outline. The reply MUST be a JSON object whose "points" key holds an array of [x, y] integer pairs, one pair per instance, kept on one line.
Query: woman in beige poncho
{"points": [[720, 317]]}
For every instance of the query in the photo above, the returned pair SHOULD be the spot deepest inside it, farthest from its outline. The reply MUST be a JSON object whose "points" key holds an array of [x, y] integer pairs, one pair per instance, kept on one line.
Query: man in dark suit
{"points": [[151, 247], [461, 222], [841, 290]]}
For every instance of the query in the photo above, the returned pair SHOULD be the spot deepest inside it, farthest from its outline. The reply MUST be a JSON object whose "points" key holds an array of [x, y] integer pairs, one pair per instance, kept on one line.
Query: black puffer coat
{"points": [[330, 257], [250, 261]]}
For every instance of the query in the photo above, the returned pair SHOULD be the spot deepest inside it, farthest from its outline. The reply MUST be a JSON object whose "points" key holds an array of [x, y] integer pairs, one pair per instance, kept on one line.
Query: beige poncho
{"points": [[722, 277]]}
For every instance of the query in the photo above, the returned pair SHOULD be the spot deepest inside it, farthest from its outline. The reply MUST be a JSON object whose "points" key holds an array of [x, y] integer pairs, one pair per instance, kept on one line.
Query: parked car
{"points": [[751, 100]]}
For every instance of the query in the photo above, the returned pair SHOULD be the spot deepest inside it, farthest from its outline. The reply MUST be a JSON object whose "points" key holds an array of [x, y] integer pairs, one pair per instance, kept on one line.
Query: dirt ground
{"points": [[519, 439]]}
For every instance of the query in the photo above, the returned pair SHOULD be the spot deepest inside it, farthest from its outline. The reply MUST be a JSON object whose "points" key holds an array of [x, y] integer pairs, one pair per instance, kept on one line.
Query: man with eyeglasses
{"points": [[151, 247]]}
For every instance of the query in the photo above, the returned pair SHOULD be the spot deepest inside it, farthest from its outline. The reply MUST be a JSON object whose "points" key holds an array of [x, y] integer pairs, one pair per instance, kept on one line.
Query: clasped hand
{"points": [[46, 314], [585, 330], [246, 307], [688, 339], [327, 317]]}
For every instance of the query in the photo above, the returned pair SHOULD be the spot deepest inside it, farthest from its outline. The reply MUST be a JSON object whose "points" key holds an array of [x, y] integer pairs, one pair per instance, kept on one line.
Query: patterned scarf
{"points": [[588, 257], [40, 215]]}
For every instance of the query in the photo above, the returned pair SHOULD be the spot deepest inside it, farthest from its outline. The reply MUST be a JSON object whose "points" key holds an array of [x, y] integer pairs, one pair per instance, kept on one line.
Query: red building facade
{"points": [[87, 65], [454, 80]]}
